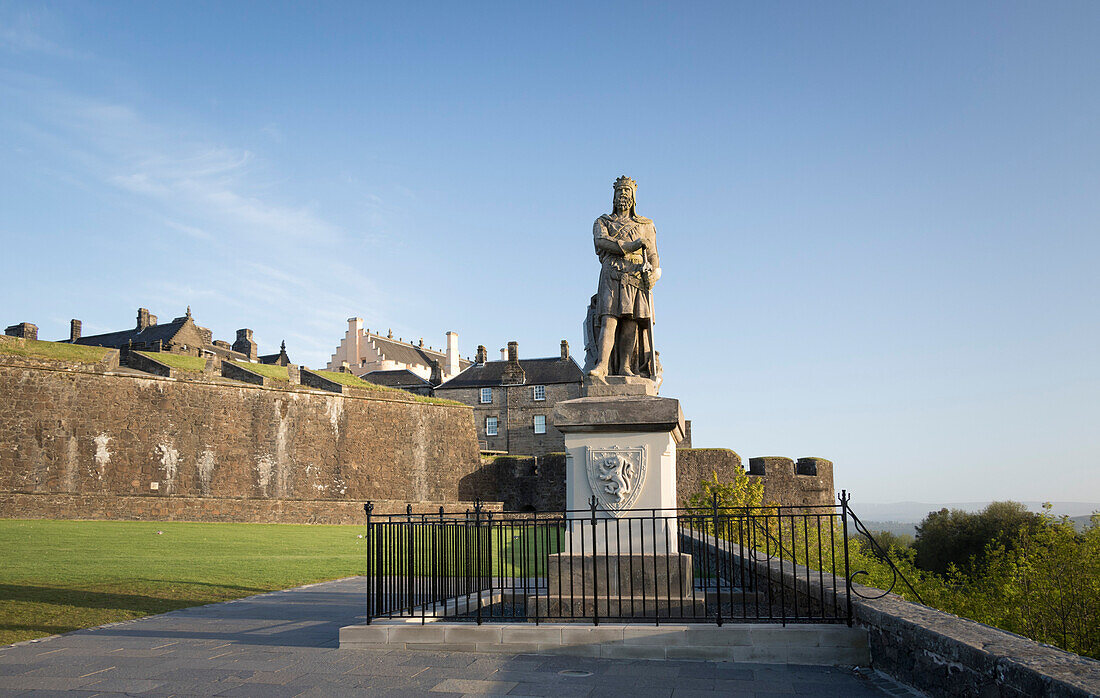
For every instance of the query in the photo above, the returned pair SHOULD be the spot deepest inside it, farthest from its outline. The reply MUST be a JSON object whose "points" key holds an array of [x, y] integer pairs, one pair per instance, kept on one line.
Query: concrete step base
{"points": [[820, 644]]}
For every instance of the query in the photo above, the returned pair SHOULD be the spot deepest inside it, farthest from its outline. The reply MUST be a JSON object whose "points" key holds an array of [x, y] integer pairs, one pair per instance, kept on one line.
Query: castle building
{"points": [[180, 336], [514, 399], [365, 352]]}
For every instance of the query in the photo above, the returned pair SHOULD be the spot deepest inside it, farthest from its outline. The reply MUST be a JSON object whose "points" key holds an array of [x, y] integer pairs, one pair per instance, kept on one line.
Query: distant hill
{"points": [[902, 528], [898, 528], [913, 512]]}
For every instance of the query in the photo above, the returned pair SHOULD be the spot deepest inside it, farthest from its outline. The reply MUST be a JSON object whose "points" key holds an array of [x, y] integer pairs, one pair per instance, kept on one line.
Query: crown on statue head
{"points": [[626, 182]]}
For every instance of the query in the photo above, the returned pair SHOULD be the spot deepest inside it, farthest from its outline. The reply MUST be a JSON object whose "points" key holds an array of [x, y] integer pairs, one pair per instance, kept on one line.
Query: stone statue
{"points": [[619, 327]]}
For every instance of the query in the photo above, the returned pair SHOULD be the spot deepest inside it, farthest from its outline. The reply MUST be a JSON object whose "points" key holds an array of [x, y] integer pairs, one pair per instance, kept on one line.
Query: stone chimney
{"points": [[437, 373], [25, 330], [451, 368], [513, 373], [503, 354], [74, 330], [355, 330], [482, 354], [245, 344], [564, 350], [145, 319]]}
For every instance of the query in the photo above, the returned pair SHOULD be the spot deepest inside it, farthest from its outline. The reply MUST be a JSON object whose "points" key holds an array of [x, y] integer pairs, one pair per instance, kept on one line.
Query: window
{"points": [[490, 426], [486, 395], [540, 424], [540, 392]]}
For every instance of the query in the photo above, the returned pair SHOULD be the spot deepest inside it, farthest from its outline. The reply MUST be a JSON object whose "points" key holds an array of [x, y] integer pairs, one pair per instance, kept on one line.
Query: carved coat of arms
{"points": [[616, 476]]}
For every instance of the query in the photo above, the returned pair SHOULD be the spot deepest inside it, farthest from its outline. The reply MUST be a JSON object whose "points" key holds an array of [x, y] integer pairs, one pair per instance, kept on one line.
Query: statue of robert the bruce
{"points": [[619, 329]]}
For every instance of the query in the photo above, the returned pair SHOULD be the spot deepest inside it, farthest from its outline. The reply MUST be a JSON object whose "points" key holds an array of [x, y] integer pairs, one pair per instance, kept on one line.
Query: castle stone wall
{"points": [[805, 482], [78, 443], [694, 465], [525, 482]]}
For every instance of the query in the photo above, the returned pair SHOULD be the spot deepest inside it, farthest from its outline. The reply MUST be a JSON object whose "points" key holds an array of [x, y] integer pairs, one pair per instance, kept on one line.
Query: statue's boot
{"points": [[599, 371]]}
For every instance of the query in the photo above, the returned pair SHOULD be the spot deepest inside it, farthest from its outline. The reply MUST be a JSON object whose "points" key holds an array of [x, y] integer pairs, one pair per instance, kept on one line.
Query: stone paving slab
{"points": [[285, 644]]}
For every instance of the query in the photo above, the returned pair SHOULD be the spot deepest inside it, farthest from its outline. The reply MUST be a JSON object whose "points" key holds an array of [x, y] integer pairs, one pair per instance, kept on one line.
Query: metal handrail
{"points": [[862, 530]]}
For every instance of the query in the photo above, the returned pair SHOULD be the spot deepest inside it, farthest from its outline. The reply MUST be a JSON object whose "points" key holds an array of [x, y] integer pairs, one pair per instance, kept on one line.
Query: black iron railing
{"points": [[715, 565]]}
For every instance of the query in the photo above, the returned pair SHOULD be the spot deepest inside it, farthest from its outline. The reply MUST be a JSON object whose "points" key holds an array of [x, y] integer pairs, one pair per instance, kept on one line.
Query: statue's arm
{"points": [[604, 242], [652, 257]]}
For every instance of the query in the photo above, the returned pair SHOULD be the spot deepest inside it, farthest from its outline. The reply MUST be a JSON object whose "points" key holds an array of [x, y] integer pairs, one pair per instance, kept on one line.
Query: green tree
{"points": [[955, 537], [744, 491]]}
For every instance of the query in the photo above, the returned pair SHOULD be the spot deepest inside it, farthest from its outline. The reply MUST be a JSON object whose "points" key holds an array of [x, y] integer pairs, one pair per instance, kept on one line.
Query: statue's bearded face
{"points": [[624, 199]]}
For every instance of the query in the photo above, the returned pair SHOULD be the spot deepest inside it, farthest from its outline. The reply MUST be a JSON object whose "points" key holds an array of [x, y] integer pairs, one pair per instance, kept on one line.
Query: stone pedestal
{"points": [[620, 442], [622, 449]]}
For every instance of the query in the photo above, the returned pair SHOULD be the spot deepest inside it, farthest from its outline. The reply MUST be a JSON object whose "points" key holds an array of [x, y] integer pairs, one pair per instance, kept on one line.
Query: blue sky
{"points": [[877, 221]]}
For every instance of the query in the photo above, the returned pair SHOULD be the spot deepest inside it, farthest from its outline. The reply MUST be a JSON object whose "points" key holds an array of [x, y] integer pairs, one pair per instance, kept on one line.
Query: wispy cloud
{"points": [[27, 30], [258, 258]]}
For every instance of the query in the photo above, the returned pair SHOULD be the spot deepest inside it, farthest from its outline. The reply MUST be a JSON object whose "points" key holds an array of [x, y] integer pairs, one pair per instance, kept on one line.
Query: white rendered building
{"points": [[364, 352]]}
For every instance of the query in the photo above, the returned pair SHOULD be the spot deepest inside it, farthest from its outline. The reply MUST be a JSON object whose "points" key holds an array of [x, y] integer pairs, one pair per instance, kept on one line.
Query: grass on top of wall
{"points": [[59, 576], [272, 371], [348, 379], [180, 362], [354, 381], [60, 351]]}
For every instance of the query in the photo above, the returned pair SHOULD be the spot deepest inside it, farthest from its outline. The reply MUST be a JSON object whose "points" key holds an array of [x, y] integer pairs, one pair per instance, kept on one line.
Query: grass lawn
{"points": [[62, 351], [191, 364], [58, 576], [266, 370]]}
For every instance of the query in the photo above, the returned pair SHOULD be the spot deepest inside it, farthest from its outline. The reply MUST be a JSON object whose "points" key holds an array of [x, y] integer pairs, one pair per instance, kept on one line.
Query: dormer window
{"points": [[486, 395], [539, 392]]}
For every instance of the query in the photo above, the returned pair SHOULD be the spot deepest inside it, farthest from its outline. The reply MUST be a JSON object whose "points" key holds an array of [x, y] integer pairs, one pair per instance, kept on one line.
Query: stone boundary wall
{"points": [[214, 510], [238, 373], [140, 362], [934, 651], [521, 483], [74, 436]]}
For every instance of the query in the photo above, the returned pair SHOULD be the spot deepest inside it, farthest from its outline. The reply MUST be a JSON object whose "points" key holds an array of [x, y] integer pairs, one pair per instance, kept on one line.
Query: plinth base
{"points": [[605, 386], [618, 586], [560, 607], [625, 575]]}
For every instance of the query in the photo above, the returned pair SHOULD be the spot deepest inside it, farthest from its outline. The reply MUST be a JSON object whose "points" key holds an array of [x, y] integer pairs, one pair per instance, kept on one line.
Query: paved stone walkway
{"points": [[284, 644]]}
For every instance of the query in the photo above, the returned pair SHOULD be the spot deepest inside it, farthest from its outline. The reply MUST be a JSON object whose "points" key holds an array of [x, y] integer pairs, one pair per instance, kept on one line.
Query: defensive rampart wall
{"points": [[524, 483], [86, 441]]}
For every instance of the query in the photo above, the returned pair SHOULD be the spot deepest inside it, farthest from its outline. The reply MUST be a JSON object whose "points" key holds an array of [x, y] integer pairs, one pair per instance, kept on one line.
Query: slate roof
{"points": [[412, 354], [538, 372], [398, 378], [147, 336]]}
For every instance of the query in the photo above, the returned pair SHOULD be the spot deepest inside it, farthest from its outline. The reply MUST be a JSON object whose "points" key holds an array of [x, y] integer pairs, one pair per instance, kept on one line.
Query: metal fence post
{"points": [[717, 558], [844, 497], [367, 509], [477, 555], [595, 568]]}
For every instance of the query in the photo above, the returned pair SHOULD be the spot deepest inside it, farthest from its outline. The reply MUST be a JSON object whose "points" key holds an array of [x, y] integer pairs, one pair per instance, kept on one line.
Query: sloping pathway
{"points": [[284, 644]]}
